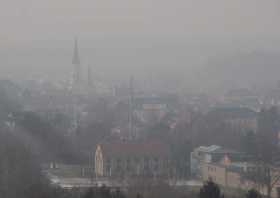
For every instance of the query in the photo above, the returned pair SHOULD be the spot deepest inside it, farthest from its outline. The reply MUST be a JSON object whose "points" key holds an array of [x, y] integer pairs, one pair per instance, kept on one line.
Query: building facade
{"points": [[224, 175], [127, 159], [210, 154]]}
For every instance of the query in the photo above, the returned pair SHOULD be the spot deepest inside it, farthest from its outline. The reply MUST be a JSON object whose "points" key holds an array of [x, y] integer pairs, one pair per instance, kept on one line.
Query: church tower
{"points": [[77, 74]]}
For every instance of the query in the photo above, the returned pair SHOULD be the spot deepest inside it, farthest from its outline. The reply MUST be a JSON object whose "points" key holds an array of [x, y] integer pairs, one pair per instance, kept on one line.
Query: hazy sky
{"points": [[142, 36], [53, 19]]}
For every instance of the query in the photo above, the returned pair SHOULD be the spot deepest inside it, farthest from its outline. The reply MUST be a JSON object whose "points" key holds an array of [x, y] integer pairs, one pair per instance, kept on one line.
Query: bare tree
{"points": [[267, 140]]}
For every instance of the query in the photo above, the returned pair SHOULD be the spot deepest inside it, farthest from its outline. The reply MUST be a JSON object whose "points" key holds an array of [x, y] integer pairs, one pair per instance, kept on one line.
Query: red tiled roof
{"points": [[132, 149]]}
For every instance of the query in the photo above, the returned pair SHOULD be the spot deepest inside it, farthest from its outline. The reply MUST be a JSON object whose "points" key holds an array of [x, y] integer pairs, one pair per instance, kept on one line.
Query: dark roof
{"points": [[230, 168], [234, 112], [168, 100], [131, 149], [225, 151], [240, 93], [235, 169]]}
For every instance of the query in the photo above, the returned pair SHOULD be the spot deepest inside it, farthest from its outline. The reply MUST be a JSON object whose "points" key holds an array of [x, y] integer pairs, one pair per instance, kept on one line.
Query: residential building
{"points": [[228, 174], [210, 154], [152, 109], [233, 175], [241, 118]]}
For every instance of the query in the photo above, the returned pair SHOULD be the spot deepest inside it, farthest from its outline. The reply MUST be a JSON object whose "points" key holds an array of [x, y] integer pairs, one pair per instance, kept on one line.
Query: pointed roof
{"points": [[76, 57]]}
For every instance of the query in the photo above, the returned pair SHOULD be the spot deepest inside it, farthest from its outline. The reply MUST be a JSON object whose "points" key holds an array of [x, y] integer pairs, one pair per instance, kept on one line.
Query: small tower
{"points": [[77, 78]]}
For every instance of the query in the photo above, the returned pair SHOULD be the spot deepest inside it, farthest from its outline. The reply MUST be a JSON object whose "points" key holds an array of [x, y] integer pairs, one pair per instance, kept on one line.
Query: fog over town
{"points": [[139, 99]]}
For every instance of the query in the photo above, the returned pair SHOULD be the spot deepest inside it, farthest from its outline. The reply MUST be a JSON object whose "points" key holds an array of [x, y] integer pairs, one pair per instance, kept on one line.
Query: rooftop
{"points": [[234, 112], [134, 149]]}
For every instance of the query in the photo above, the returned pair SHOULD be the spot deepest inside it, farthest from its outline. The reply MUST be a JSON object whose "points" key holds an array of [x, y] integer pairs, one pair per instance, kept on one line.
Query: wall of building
{"points": [[214, 172], [130, 166], [233, 179]]}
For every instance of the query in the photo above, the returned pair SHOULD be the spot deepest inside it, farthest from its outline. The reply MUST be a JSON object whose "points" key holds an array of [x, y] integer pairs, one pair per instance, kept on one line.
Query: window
{"points": [[211, 169], [156, 163], [118, 166], [108, 165]]}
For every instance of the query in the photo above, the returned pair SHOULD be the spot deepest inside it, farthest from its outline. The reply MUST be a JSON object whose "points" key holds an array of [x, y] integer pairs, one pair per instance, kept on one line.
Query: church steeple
{"points": [[76, 57], [76, 63]]}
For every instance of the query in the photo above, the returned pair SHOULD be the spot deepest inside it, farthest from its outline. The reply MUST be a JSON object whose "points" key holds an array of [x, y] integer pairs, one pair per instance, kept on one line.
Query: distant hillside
{"points": [[258, 68]]}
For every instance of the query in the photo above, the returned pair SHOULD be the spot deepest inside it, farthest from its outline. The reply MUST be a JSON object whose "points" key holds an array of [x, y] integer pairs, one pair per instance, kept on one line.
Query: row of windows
{"points": [[127, 165], [128, 161], [211, 169]]}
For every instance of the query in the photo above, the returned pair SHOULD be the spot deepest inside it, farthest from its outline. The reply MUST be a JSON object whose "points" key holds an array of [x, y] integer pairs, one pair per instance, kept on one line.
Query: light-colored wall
{"points": [[215, 172], [99, 162], [197, 160], [233, 179], [220, 175]]}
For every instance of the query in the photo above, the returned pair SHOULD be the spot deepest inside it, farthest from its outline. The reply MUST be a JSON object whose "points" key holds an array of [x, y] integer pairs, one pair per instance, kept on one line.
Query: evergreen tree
{"points": [[89, 194], [104, 192], [253, 194], [118, 194], [210, 190], [267, 146]]}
